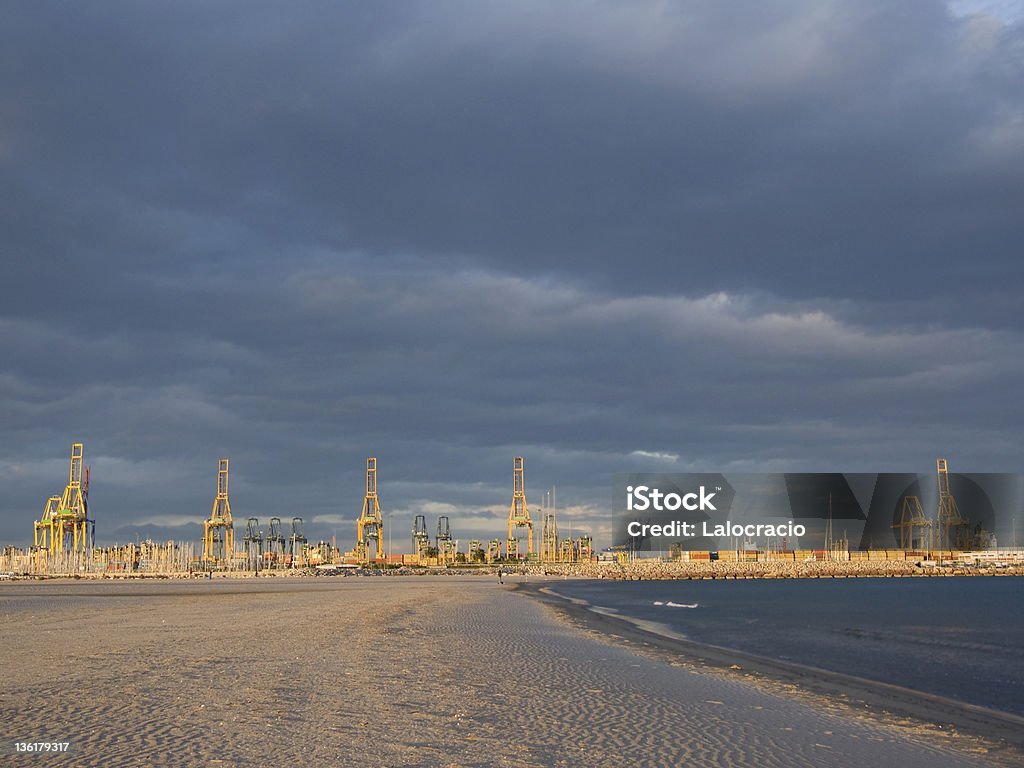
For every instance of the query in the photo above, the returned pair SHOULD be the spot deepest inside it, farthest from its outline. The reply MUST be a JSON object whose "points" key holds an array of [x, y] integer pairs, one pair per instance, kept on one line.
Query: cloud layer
{"points": [[675, 236]]}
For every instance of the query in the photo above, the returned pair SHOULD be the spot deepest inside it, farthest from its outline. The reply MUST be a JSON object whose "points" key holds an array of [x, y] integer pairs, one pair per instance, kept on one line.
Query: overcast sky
{"points": [[606, 236]]}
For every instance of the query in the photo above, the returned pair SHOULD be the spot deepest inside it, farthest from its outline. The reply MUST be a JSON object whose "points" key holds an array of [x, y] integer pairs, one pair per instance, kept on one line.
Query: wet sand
{"points": [[396, 671]]}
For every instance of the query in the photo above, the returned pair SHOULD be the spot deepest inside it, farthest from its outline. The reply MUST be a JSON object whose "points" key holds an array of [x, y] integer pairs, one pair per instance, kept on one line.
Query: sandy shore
{"points": [[419, 672]]}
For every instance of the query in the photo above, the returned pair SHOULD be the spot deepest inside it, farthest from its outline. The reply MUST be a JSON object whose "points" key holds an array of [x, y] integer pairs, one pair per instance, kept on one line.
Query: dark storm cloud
{"points": [[696, 147], [694, 236]]}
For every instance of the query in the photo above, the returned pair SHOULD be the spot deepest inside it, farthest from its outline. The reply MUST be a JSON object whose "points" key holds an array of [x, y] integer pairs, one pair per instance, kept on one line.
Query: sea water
{"points": [[962, 638]]}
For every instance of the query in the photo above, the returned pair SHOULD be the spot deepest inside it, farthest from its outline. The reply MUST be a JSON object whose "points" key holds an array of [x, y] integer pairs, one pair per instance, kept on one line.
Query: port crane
{"points": [[518, 513], [370, 525], [953, 529], [219, 529], [64, 526]]}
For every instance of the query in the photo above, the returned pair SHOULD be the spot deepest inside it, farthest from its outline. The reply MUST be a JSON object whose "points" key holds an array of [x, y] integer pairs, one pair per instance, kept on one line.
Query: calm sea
{"points": [[956, 637]]}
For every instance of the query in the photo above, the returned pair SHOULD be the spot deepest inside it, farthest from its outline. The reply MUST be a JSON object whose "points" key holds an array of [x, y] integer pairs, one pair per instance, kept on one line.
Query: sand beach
{"points": [[427, 671]]}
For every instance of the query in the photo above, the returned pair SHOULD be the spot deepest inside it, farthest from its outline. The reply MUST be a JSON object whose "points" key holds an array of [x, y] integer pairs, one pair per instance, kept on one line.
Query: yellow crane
{"points": [[518, 513], [370, 524], [42, 534], [913, 519], [219, 530], [953, 528], [65, 524], [493, 551]]}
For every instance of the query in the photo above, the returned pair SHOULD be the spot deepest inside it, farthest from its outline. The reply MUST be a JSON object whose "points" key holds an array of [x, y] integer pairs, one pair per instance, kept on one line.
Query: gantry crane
{"points": [[493, 550], [420, 538], [297, 542], [567, 551], [370, 524], [913, 525], [65, 525], [584, 548], [43, 527], [948, 518], [518, 513], [549, 539], [274, 541], [219, 530], [445, 545], [252, 543]]}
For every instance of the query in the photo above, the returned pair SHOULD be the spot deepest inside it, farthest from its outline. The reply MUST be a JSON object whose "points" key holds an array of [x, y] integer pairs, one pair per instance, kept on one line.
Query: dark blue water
{"points": [[957, 637]]}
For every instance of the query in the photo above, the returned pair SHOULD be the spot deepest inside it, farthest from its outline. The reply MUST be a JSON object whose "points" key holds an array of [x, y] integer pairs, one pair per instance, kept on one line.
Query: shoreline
{"points": [[843, 692]]}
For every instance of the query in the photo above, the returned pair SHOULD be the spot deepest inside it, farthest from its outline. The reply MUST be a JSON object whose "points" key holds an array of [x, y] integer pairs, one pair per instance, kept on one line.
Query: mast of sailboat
{"points": [[828, 528]]}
